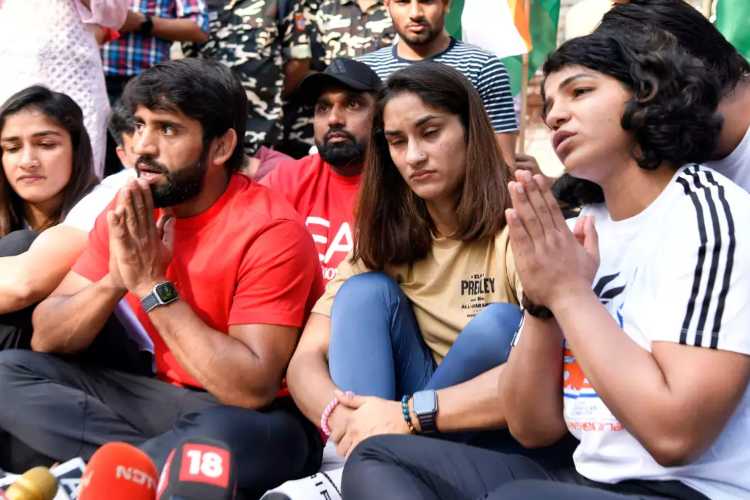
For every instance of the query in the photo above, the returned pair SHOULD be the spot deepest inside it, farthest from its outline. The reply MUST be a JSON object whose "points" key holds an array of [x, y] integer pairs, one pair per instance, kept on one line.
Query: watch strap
{"points": [[147, 26], [153, 300], [150, 301], [536, 310]]}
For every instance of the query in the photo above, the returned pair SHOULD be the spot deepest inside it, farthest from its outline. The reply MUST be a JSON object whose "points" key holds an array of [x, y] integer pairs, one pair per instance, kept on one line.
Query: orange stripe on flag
{"points": [[521, 20]]}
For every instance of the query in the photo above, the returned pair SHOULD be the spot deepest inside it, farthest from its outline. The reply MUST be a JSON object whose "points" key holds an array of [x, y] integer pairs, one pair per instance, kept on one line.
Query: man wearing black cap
{"points": [[323, 187]]}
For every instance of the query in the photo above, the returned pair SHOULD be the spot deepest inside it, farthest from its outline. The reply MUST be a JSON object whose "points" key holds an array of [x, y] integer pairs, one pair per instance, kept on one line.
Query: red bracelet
{"points": [[110, 34], [326, 415]]}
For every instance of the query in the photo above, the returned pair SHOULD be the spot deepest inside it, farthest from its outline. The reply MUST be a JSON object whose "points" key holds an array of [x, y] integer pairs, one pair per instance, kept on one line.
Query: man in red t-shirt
{"points": [[323, 187], [220, 287]]}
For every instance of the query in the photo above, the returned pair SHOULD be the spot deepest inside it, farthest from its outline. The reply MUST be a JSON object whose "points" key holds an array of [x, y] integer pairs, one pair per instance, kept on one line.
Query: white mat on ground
{"points": [[326, 484]]}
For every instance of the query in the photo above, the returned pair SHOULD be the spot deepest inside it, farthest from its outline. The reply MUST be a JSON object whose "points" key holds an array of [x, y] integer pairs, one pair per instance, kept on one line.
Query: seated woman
{"points": [[47, 167], [635, 336], [425, 305]]}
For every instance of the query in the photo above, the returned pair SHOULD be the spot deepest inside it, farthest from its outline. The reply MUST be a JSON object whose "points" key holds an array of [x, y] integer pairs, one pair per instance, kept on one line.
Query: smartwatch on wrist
{"points": [[540, 312], [426, 407], [162, 294], [147, 26]]}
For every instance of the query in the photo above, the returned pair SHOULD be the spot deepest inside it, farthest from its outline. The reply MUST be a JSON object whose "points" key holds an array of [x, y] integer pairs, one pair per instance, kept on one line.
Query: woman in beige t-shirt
{"points": [[425, 305]]}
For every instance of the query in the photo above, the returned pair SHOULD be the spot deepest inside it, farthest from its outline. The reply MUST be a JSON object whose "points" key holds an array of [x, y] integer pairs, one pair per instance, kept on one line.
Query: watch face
{"points": [[425, 403], [166, 292]]}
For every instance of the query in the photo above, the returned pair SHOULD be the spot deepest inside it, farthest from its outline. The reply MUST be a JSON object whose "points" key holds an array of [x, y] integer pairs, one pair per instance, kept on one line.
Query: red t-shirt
{"points": [[325, 199], [247, 259]]}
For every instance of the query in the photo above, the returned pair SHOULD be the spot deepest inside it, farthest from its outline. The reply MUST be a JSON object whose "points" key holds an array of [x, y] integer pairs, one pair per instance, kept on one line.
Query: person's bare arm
{"points": [[685, 394], [534, 367], [176, 30], [243, 368], [471, 405], [307, 377], [31, 276], [69, 320], [310, 383], [506, 141]]}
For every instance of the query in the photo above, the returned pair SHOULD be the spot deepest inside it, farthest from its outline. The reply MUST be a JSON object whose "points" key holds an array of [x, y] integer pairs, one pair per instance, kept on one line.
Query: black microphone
{"points": [[198, 469]]}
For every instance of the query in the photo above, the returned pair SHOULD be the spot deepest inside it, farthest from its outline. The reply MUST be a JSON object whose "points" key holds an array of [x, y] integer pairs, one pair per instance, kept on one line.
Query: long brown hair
{"points": [[393, 225], [63, 110]]}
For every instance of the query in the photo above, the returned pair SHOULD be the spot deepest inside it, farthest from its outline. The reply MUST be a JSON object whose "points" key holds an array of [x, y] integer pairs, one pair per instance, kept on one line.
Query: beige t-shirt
{"points": [[447, 288]]}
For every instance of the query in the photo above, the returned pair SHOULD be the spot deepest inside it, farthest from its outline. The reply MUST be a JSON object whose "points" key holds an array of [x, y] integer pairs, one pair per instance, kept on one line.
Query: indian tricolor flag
{"points": [[733, 20], [508, 29]]}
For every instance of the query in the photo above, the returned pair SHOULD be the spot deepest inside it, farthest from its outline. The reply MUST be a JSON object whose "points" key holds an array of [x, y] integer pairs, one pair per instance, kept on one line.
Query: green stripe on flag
{"points": [[514, 65], [545, 15], [453, 19], [733, 20]]}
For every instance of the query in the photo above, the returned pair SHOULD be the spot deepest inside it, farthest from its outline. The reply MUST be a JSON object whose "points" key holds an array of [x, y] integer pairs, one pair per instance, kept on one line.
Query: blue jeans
{"points": [[376, 347]]}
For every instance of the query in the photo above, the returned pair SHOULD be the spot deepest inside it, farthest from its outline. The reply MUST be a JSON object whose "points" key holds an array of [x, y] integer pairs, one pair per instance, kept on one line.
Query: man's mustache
{"points": [[150, 165], [338, 131]]}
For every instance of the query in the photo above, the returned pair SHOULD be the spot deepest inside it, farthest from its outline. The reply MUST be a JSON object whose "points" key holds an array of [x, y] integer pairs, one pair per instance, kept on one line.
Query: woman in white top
{"points": [[52, 43], [639, 315]]}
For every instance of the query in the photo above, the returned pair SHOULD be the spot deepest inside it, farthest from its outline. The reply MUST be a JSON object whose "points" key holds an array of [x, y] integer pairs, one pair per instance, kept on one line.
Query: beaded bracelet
{"points": [[405, 411], [326, 415]]}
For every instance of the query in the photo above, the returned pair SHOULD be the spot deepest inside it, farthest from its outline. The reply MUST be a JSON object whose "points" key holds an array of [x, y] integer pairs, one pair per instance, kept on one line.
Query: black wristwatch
{"points": [[426, 407], [540, 312], [147, 26], [162, 294]]}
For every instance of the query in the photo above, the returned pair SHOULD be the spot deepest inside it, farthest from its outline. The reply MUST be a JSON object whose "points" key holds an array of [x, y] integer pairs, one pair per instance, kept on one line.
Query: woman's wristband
{"points": [[326, 415], [538, 311], [405, 412]]}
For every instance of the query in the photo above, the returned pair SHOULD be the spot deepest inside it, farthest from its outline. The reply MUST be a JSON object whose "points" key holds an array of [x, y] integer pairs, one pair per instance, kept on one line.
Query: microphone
{"points": [[119, 471], [34, 484], [198, 469]]}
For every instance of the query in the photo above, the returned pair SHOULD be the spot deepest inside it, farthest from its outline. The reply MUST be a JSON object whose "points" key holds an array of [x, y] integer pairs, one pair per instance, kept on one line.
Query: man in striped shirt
{"points": [[420, 25]]}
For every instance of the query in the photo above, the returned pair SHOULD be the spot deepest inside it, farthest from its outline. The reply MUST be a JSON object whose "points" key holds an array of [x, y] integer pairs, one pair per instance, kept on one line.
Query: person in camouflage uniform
{"points": [[334, 28], [297, 124], [251, 37], [350, 28]]}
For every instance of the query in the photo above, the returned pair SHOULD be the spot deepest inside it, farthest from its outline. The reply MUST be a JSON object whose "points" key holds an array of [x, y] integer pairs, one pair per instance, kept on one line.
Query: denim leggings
{"points": [[376, 347]]}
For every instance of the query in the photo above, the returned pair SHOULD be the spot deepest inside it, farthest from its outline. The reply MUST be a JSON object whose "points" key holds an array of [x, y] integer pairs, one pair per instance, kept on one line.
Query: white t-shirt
{"points": [[83, 215], [678, 272], [736, 166]]}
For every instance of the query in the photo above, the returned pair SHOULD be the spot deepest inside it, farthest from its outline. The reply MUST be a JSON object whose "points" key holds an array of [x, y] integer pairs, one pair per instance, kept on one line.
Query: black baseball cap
{"points": [[342, 71]]}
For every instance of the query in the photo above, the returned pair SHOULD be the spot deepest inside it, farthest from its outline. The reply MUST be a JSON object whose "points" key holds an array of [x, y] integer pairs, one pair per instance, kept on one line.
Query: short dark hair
{"points": [[120, 122], [204, 90], [672, 114], [693, 31], [393, 225], [64, 111]]}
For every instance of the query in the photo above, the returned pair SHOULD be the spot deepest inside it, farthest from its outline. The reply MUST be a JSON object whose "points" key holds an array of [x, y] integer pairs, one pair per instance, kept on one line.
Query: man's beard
{"points": [[341, 154], [178, 186], [424, 38]]}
